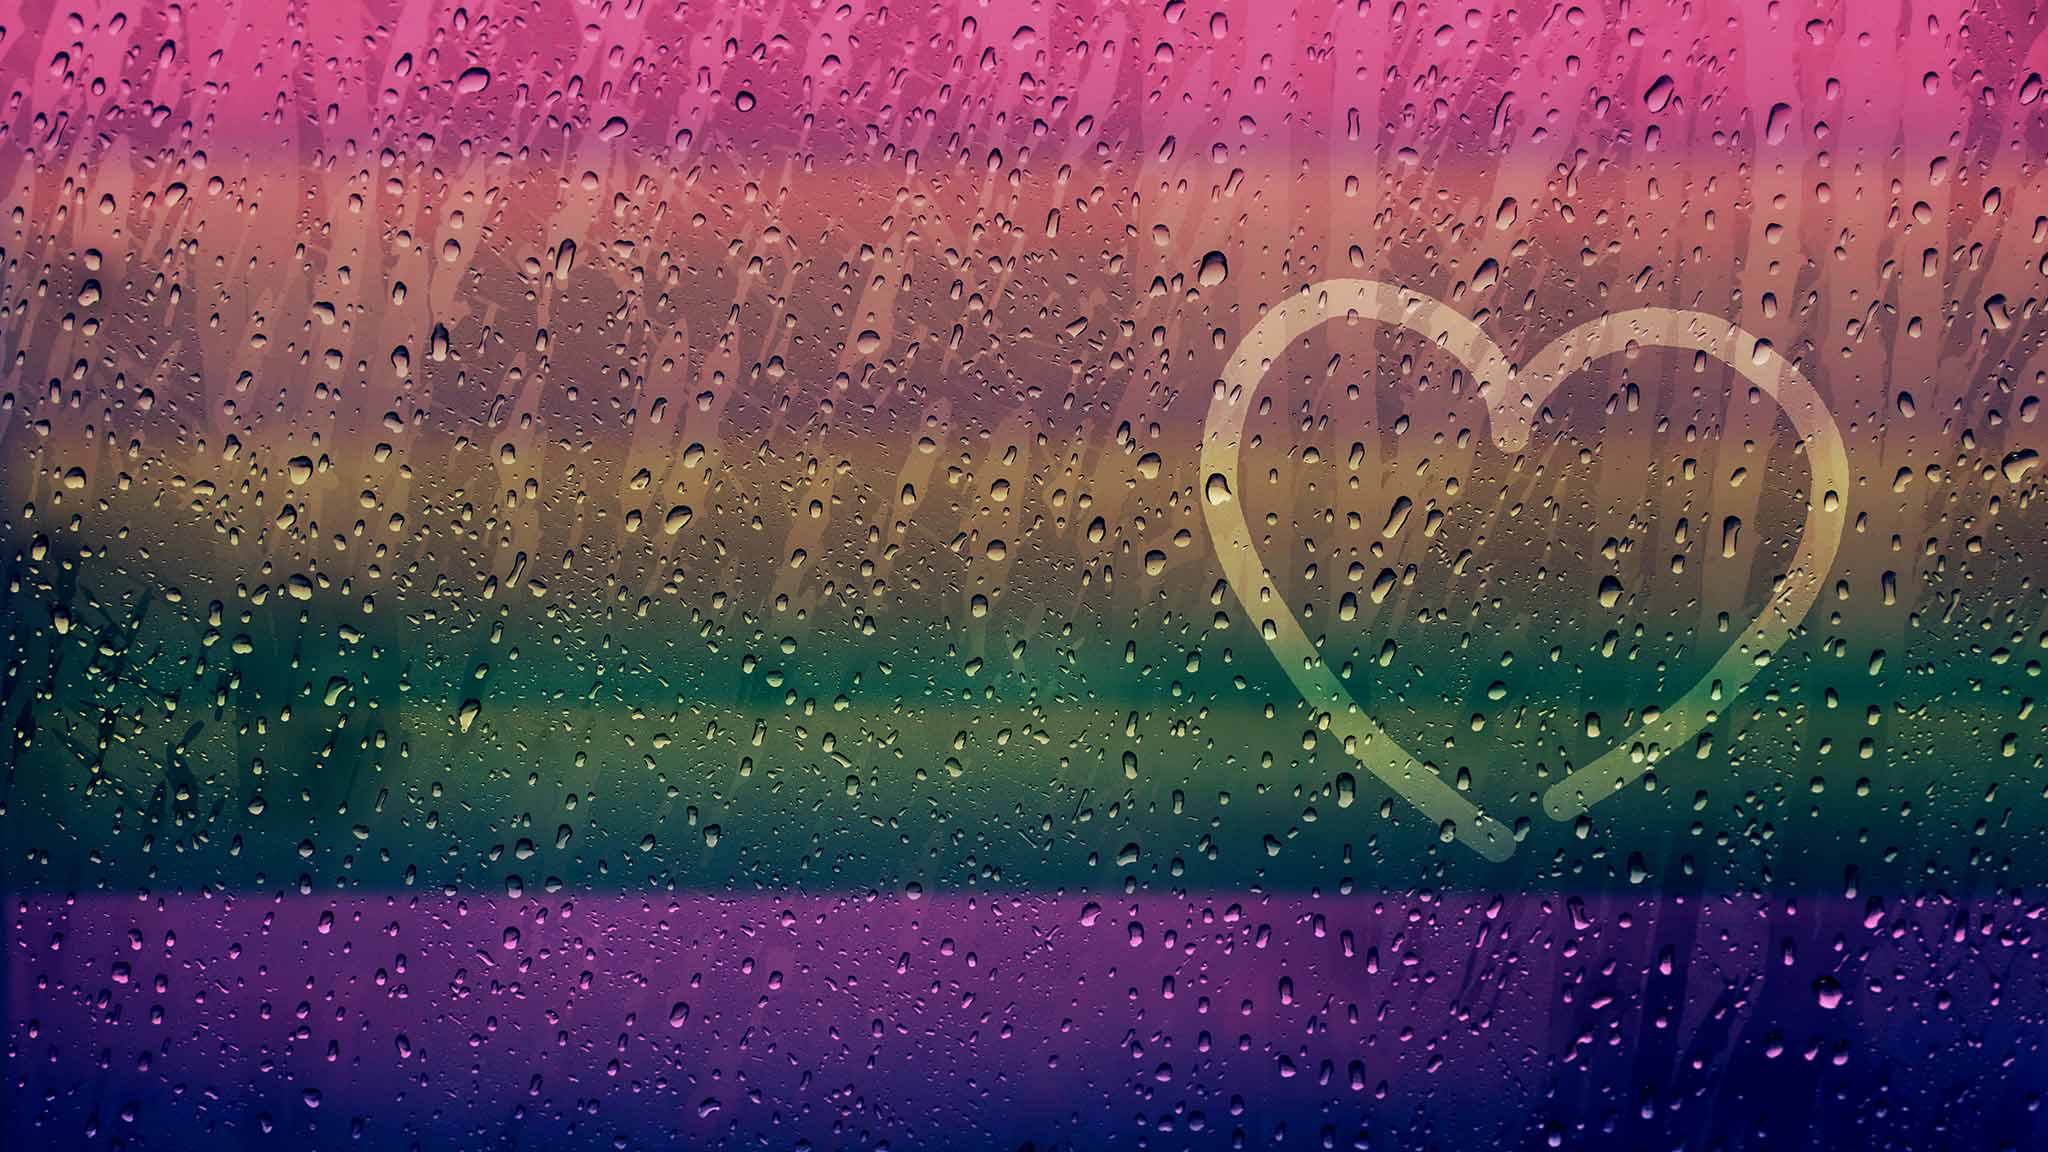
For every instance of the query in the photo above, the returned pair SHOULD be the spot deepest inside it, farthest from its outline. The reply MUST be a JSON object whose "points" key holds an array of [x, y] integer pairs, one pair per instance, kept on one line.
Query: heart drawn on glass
{"points": [[1513, 397]]}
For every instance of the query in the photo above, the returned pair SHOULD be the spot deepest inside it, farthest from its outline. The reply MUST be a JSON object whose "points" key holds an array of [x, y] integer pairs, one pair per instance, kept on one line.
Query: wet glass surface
{"points": [[1375, 575]]}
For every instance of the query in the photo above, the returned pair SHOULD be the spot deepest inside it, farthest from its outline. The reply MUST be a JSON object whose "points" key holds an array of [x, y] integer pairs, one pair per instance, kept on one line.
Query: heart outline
{"points": [[1511, 422]]}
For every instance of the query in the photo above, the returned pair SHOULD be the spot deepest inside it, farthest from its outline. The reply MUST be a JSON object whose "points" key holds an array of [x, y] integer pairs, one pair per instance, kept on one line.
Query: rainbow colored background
{"points": [[519, 518]]}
